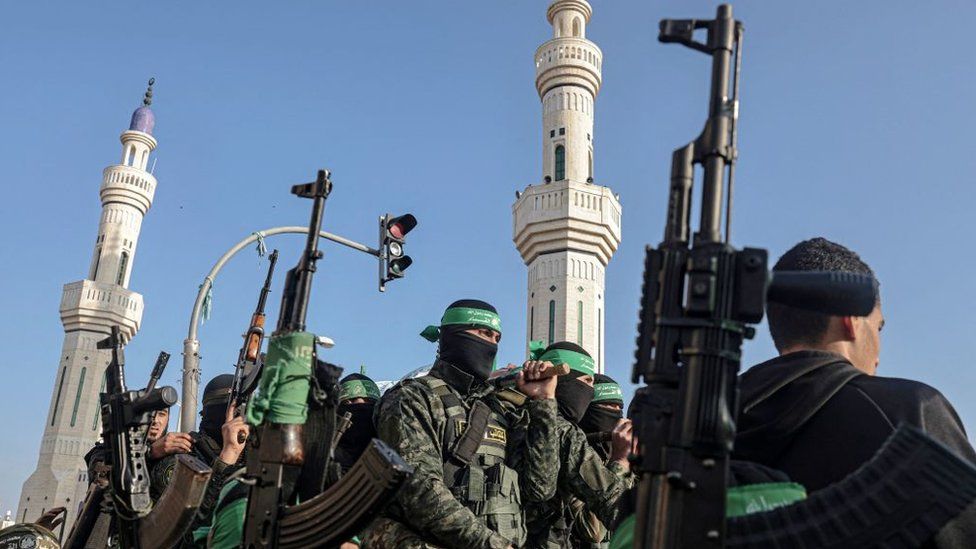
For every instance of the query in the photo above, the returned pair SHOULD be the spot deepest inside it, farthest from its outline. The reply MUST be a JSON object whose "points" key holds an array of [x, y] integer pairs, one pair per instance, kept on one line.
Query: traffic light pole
{"points": [[191, 345]]}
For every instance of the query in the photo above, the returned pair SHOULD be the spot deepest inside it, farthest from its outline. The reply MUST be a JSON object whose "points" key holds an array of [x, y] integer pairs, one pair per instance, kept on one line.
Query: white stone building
{"points": [[89, 308], [567, 227]]}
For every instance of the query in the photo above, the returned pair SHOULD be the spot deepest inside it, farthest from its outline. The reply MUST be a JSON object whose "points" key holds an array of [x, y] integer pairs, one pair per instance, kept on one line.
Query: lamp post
{"points": [[191, 345]]}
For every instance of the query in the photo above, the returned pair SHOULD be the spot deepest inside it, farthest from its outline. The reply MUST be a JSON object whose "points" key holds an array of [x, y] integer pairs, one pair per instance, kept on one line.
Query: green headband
{"points": [[603, 392], [576, 361], [359, 388], [465, 316]]}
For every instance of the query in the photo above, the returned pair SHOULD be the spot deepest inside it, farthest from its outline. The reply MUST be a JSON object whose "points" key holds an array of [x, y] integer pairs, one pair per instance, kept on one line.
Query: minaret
{"points": [[567, 227], [88, 310]]}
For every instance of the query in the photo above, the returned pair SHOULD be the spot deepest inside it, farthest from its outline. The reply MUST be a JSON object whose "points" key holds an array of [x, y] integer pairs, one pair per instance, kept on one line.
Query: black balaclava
{"points": [[214, 411], [572, 396], [468, 352], [356, 438], [597, 418]]}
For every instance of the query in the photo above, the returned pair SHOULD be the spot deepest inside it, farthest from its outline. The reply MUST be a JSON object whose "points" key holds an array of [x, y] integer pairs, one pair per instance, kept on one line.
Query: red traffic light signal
{"points": [[398, 227]]}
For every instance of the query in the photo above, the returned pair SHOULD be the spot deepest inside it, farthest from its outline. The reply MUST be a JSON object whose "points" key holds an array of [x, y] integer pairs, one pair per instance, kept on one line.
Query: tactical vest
{"points": [[477, 465]]}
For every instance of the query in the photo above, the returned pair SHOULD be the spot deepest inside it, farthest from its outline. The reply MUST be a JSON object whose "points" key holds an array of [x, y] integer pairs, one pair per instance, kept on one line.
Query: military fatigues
{"points": [[583, 476], [469, 485]]}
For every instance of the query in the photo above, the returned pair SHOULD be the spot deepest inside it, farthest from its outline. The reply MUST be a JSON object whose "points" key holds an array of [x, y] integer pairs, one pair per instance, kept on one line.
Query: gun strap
{"points": [[474, 432]]}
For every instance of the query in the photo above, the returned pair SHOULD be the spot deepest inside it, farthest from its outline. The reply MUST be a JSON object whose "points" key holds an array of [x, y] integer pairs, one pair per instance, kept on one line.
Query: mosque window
{"points": [[591, 165], [81, 387], [599, 335], [132, 156], [123, 263], [560, 167], [576, 27], [57, 399], [579, 322], [552, 133], [562, 131], [98, 258], [531, 323], [552, 320]]}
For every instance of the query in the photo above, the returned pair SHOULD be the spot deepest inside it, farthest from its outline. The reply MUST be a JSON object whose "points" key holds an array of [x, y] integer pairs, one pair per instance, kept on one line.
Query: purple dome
{"points": [[143, 120]]}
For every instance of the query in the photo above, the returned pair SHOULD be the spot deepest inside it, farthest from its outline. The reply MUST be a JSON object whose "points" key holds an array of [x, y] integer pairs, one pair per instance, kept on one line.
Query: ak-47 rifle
{"points": [[276, 446], [290, 377], [248, 368], [126, 417], [700, 297]]}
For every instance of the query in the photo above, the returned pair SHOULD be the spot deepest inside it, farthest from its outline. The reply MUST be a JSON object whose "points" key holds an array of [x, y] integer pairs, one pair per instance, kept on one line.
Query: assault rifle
{"points": [[293, 375], [699, 301], [248, 367], [276, 448], [126, 417]]}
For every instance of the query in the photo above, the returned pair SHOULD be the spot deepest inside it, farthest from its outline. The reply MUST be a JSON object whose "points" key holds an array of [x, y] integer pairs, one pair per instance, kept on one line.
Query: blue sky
{"points": [[855, 124]]}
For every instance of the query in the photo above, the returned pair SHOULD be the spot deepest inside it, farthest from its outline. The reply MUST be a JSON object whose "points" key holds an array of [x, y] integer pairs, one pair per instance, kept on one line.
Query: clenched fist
{"points": [[533, 383]]}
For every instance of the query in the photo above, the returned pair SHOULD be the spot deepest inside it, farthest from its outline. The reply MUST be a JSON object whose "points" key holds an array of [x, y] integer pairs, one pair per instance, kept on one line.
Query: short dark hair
{"points": [[790, 326]]}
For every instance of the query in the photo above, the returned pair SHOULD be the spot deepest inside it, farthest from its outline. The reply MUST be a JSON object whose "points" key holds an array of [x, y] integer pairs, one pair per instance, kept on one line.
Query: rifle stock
{"points": [[348, 506]]}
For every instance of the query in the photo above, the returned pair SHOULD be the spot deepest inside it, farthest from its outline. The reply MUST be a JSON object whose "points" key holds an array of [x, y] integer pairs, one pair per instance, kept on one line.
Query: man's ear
{"points": [[849, 326]]}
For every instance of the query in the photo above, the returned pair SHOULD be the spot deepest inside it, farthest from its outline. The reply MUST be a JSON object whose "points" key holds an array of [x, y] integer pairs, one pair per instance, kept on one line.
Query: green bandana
{"points": [[359, 388], [607, 391], [576, 361], [464, 316]]}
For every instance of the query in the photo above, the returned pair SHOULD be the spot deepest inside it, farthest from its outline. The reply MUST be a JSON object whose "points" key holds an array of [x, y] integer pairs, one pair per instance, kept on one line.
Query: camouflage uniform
{"points": [[584, 476], [450, 503]]}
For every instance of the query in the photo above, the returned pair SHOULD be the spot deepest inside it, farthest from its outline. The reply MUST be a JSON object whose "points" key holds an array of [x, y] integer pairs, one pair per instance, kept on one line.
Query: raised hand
{"points": [[234, 431]]}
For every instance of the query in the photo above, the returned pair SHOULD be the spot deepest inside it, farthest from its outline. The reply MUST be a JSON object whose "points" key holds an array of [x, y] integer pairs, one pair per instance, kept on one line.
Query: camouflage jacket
{"points": [[413, 420], [583, 476]]}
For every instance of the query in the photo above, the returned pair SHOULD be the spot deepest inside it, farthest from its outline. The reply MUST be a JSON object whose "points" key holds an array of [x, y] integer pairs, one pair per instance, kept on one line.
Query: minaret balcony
{"points": [[96, 307], [568, 61], [128, 185], [566, 215]]}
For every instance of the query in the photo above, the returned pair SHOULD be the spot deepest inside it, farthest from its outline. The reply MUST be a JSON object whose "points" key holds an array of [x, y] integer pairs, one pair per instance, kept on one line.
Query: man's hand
{"points": [[169, 444], [228, 431], [52, 518], [622, 438], [531, 382]]}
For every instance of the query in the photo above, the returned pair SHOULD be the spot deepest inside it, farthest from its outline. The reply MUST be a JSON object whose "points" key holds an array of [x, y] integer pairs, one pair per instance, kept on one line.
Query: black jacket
{"points": [[812, 415]]}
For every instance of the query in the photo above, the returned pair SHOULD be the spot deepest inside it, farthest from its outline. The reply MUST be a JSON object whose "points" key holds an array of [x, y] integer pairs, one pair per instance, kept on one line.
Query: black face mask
{"points": [[212, 419], [468, 352], [599, 419], [573, 397], [356, 438]]}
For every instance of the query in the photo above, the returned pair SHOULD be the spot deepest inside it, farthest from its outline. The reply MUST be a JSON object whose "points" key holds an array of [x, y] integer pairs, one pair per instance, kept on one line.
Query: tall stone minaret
{"points": [[567, 227], [89, 308]]}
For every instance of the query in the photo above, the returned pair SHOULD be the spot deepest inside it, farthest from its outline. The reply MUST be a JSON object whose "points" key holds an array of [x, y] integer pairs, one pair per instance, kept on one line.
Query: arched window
{"points": [[81, 387], [591, 165], [576, 27], [560, 164], [579, 323], [98, 414], [552, 320], [123, 263], [132, 156], [599, 337]]}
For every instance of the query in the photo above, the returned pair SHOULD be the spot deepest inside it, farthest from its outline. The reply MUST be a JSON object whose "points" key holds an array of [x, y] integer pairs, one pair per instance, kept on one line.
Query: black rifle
{"points": [[277, 450], [126, 416], [248, 368], [700, 296]]}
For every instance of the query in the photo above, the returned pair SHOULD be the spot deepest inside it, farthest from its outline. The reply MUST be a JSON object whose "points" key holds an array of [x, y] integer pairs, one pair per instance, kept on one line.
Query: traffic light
{"points": [[393, 232]]}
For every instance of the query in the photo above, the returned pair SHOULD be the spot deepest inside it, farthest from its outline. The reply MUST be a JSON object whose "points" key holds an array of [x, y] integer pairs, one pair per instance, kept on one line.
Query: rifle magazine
{"points": [[171, 516], [348, 506]]}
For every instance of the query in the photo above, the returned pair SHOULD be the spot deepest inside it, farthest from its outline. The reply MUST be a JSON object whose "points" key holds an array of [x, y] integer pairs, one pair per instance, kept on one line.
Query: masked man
{"points": [[585, 479], [477, 459], [358, 396]]}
